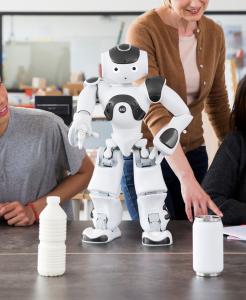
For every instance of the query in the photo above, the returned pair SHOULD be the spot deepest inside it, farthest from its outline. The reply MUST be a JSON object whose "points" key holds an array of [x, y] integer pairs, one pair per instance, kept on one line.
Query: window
{"points": [[55, 46]]}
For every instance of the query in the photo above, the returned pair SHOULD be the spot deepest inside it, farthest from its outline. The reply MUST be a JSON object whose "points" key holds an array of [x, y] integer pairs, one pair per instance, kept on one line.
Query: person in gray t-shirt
{"points": [[36, 160]]}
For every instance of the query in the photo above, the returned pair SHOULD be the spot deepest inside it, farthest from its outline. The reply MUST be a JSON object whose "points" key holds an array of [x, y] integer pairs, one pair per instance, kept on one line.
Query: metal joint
{"points": [[154, 222]]}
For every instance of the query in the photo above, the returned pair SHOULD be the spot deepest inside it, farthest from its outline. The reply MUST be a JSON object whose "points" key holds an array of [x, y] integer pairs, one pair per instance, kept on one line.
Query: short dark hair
{"points": [[238, 114]]}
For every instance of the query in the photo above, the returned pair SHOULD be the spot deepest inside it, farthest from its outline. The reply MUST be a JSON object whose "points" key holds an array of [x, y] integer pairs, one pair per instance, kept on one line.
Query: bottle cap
{"points": [[53, 200]]}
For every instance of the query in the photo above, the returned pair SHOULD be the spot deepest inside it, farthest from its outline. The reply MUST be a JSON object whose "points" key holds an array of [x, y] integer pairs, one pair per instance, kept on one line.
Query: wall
{"points": [[78, 5], [106, 5]]}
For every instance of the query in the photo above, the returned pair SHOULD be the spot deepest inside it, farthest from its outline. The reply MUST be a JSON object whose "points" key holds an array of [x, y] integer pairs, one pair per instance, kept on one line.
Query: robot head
{"points": [[124, 64]]}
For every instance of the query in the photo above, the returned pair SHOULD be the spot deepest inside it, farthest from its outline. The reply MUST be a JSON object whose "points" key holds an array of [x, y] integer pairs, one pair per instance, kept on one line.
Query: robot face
{"points": [[124, 64]]}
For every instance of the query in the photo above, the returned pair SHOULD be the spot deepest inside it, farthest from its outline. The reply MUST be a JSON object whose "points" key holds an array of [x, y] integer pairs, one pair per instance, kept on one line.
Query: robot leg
{"points": [[151, 191], [104, 190]]}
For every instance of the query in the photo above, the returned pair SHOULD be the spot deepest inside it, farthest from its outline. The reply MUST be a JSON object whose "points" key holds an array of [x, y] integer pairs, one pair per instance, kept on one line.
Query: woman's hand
{"points": [[195, 197], [193, 194]]}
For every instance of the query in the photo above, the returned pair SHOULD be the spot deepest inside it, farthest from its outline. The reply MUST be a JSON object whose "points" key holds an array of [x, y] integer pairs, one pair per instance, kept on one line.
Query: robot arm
{"points": [[167, 139], [81, 126]]}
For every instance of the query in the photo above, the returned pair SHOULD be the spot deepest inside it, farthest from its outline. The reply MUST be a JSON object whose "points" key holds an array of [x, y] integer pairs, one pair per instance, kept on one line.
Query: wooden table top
{"points": [[122, 269]]}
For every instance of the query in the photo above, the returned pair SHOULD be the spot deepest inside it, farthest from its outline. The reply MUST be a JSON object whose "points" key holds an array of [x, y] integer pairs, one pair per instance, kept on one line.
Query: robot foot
{"points": [[98, 236], [160, 238]]}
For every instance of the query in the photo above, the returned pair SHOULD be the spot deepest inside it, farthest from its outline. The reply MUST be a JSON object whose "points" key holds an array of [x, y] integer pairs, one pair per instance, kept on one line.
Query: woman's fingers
{"points": [[188, 211], [215, 208]]}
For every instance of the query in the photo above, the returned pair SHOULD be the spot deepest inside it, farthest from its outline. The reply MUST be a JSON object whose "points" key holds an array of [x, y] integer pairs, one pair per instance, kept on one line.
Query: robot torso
{"points": [[125, 107]]}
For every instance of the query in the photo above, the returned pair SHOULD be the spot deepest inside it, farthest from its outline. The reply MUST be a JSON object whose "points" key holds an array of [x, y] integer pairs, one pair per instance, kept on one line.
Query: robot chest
{"points": [[123, 107]]}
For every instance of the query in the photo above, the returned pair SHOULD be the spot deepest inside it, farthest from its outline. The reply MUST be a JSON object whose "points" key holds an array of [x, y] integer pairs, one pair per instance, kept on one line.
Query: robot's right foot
{"points": [[98, 236], [162, 238]]}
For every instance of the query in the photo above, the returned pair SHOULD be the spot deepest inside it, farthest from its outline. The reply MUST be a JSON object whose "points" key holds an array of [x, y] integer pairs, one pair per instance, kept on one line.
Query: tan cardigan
{"points": [[150, 33]]}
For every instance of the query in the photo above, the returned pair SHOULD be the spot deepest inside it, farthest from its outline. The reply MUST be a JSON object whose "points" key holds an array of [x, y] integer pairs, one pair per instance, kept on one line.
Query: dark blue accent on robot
{"points": [[100, 239], [147, 241], [154, 86], [167, 216], [137, 111], [92, 80], [170, 137], [124, 54], [124, 47]]}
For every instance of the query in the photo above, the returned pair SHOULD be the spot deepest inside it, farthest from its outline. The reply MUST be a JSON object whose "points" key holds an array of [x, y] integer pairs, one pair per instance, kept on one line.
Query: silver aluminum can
{"points": [[208, 250]]}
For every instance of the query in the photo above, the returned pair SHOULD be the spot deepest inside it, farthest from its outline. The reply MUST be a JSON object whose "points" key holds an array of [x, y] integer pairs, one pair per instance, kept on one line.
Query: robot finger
{"points": [[95, 134], [153, 153], [159, 158], [81, 138], [72, 137]]}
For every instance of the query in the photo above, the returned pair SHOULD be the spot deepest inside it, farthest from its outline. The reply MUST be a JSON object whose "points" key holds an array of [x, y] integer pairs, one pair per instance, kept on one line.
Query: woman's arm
{"points": [[192, 193], [217, 104]]}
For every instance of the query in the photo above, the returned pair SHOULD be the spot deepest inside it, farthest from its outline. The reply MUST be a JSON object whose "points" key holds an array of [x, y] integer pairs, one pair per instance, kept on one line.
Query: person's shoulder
{"points": [[211, 26], [234, 137], [234, 142], [146, 19], [143, 27], [36, 116]]}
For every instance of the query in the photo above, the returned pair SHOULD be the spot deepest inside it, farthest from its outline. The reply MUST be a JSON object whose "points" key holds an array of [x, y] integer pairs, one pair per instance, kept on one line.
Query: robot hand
{"points": [[80, 129], [154, 154]]}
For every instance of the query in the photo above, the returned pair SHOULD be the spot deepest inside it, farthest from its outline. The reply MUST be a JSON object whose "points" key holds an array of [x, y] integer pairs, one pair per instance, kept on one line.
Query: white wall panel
{"points": [[104, 5], [78, 5]]}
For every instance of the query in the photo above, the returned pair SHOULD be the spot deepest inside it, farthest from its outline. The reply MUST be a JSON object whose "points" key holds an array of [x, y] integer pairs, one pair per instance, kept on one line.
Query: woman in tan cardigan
{"points": [[188, 50]]}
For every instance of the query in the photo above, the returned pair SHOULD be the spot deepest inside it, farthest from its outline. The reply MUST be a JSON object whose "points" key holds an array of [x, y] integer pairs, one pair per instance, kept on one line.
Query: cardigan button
{"points": [[204, 82], [201, 66], [198, 30]]}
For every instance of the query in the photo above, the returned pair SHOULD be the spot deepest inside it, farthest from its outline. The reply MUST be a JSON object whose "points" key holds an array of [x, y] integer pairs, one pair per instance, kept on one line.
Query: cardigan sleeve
{"points": [[217, 105], [223, 180], [139, 36]]}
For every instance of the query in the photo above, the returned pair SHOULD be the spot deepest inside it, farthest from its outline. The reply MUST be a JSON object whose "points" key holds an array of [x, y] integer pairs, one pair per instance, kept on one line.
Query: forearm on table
{"points": [[69, 187]]}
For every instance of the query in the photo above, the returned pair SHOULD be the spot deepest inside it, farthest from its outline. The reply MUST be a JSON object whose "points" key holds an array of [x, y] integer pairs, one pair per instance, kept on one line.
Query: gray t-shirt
{"points": [[35, 156]]}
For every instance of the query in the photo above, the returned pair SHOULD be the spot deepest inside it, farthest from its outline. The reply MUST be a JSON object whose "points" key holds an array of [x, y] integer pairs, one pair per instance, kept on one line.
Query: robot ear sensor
{"points": [[116, 69], [134, 69]]}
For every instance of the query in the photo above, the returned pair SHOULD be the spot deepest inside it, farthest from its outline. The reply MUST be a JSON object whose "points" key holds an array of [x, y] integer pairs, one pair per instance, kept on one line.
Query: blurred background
{"points": [[48, 48]]}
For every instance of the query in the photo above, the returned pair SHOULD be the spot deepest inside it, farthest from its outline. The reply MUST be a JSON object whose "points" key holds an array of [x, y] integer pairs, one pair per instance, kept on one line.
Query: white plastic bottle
{"points": [[52, 236]]}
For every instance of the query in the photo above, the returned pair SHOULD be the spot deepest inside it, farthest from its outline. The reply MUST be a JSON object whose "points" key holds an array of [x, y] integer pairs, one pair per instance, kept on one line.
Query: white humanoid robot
{"points": [[125, 105]]}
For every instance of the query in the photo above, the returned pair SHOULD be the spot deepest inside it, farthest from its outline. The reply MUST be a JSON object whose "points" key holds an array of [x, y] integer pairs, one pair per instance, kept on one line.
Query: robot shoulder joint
{"points": [[154, 87], [92, 81]]}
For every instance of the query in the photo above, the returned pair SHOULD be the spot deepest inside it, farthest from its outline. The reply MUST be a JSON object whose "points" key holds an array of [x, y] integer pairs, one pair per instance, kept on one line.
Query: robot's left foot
{"points": [[161, 238], [98, 236]]}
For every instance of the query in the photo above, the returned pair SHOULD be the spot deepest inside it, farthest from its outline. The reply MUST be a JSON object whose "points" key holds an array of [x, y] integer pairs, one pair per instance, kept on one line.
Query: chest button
{"points": [[122, 109]]}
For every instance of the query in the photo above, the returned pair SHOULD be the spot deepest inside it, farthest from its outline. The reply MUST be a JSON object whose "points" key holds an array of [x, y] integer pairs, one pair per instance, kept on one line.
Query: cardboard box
{"points": [[72, 88]]}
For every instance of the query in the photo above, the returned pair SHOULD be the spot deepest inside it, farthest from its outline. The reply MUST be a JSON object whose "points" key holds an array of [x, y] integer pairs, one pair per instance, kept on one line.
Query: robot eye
{"points": [[134, 69], [116, 69]]}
